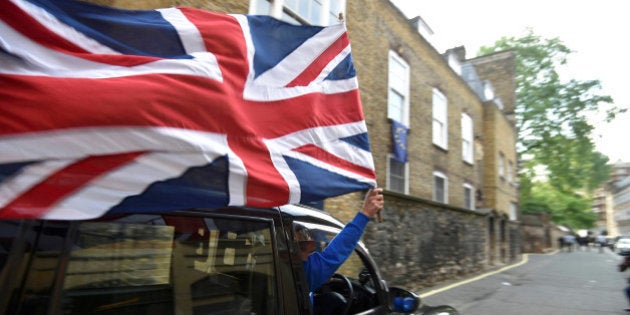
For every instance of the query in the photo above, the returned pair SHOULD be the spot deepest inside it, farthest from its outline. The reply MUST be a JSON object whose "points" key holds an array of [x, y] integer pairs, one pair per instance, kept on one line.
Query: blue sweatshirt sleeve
{"points": [[319, 267]]}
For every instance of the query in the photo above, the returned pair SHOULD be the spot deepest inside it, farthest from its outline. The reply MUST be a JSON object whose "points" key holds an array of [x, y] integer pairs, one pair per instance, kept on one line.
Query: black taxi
{"points": [[218, 261]]}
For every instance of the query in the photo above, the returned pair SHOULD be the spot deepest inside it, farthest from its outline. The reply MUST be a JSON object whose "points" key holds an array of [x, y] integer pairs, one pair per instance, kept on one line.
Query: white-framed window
{"points": [[440, 187], [501, 165], [440, 134], [397, 176], [398, 91], [510, 172], [313, 12], [513, 211], [467, 138], [469, 196], [488, 90]]}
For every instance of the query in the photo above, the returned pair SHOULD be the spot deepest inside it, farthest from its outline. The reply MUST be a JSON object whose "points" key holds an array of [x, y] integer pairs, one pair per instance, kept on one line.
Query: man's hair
{"points": [[302, 233]]}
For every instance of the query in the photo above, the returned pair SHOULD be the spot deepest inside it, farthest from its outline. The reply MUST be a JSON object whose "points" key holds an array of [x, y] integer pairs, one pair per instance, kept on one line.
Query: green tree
{"points": [[554, 132], [566, 208]]}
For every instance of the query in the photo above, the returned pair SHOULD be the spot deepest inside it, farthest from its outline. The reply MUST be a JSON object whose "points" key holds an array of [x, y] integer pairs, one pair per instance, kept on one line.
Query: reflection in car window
{"points": [[171, 265], [35, 246], [8, 232]]}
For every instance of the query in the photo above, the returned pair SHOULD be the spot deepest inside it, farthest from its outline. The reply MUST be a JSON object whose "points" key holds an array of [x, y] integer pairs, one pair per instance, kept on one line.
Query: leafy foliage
{"points": [[554, 132]]}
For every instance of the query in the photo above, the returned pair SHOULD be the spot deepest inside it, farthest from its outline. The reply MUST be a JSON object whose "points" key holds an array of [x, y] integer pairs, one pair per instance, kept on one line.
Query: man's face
{"points": [[307, 245]]}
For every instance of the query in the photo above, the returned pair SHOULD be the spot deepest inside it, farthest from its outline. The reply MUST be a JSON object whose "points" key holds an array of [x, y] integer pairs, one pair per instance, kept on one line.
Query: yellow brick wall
{"points": [[375, 28], [500, 131]]}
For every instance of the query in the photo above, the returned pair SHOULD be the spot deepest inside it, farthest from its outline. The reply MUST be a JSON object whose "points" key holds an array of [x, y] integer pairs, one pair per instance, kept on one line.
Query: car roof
{"points": [[305, 213]]}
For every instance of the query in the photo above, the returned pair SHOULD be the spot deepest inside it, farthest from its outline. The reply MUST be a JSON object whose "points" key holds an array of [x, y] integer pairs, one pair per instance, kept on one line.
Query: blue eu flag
{"points": [[399, 134]]}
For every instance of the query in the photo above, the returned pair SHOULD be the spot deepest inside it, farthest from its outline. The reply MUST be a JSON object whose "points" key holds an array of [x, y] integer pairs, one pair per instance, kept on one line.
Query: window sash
{"points": [[513, 211], [469, 197], [439, 119], [440, 187], [467, 138], [398, 91], [397, 176], [501, 165], [395, 105], [313, 12]]}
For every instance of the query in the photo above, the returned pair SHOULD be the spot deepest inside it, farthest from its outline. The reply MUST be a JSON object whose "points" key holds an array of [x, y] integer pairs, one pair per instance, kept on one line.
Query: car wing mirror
{"points": [[403, 301]]}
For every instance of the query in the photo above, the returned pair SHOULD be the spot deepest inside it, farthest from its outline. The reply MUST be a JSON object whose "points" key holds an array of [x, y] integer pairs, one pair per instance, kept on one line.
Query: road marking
{"points": [[448, 287]]}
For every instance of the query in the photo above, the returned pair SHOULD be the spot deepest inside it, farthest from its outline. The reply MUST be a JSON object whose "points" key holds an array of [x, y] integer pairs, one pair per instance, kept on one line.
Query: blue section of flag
{"points": [[267, 32], [317, 184], [345, 70], [10, 169], [361, 141], [144, 33], [198, 187], [399, 138]]}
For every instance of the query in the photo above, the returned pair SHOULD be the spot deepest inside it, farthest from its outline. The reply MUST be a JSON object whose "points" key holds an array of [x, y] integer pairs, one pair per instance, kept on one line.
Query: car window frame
{"points": [[380, 285]]}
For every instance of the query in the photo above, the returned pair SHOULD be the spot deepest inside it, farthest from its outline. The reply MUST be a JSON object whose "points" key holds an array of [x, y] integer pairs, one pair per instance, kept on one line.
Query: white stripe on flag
{"points": [[266, 90], [294, 64], [82, 142], [188, 32], [237, 180], [110, 189], [327, 138]]}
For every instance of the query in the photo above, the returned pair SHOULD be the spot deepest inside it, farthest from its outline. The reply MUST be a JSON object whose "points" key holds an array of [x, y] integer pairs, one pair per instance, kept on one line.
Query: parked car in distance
{"points": [[211, 261], [622, 246]]}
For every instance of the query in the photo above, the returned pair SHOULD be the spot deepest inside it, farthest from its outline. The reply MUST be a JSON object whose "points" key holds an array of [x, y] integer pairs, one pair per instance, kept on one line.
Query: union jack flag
{"points": [[105, 110]]}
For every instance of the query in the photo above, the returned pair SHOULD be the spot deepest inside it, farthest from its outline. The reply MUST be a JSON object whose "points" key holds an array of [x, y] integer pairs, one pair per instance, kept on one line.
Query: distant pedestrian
{"points": [[622, 267], [569, 241], [601, 241]]}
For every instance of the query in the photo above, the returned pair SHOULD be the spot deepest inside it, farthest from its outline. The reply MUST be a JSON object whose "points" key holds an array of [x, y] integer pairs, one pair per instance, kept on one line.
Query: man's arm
{"points": [[321, 266]]}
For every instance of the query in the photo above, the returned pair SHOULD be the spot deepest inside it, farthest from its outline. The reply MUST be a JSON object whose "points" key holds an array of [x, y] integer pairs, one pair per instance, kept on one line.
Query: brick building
{"points": [[618, 190], [452, 208]]}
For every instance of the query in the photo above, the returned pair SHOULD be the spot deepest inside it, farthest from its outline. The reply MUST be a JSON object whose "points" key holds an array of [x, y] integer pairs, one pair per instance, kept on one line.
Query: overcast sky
{"points": [[595, 30]]}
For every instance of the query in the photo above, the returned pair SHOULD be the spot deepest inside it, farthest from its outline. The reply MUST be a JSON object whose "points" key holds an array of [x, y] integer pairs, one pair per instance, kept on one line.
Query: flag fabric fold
{"points": [[105, 110]]}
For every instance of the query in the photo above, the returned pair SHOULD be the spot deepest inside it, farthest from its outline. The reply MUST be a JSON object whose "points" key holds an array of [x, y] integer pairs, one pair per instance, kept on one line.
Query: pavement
{"points": [[558, 283]]}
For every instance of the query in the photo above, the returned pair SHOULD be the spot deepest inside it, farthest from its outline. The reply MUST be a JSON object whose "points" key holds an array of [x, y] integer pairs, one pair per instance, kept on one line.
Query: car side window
{"points": [[355, 268], [186, 265], [155, 264], [323, 235]]}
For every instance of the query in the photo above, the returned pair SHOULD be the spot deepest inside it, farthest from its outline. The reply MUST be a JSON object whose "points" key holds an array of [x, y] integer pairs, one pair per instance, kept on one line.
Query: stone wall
{"points": [[421, 243], [539, 234]]}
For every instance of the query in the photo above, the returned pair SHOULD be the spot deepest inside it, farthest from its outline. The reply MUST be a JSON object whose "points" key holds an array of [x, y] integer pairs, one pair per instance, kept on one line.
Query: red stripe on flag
{"points": [[315, 68], [320, 154], [31, 104], [223, 36], [265, 186], [40, 198]]}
